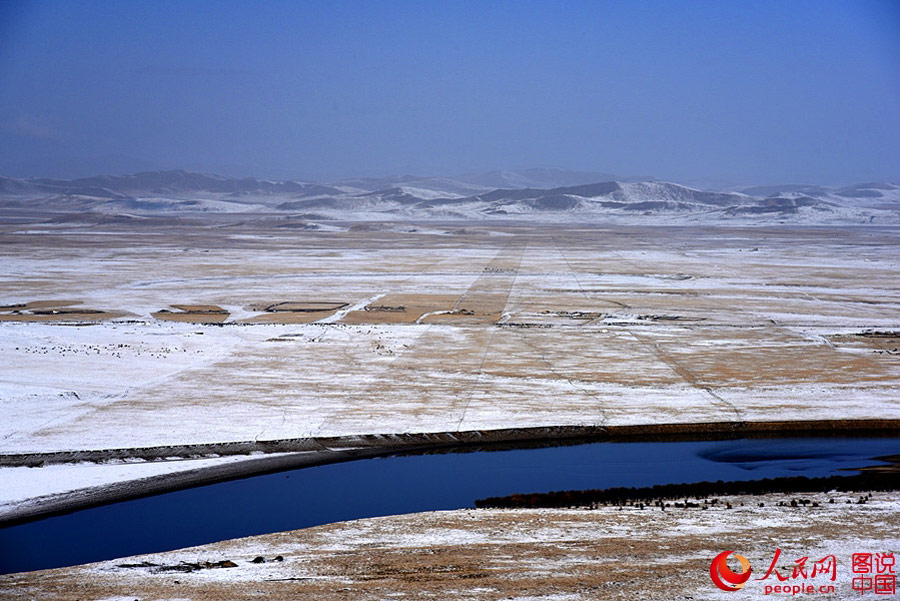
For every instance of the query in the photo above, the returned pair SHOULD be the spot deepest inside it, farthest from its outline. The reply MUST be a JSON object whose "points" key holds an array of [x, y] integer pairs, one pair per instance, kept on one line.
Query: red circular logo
{"points": [[723, 577]]}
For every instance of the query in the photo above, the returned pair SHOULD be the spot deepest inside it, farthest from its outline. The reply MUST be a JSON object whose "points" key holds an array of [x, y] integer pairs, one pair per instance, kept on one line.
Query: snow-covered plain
{"points": [[442, 329]]}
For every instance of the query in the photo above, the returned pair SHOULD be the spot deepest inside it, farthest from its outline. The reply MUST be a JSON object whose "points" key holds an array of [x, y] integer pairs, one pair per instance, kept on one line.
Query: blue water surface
{"points": [[403, 484]]}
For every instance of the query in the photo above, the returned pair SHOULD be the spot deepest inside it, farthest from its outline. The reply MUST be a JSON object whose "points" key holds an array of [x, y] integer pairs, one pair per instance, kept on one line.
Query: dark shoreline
{"points": [[387, 443], [619, 496], [308, 452]]}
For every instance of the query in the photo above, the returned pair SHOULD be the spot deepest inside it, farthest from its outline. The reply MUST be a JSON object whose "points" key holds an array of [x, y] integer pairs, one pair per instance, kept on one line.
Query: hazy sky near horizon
{"points": [[742, 92]]}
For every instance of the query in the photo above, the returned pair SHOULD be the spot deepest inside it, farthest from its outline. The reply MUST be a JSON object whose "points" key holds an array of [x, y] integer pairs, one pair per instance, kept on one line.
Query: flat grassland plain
{"points": [[180, 334]]}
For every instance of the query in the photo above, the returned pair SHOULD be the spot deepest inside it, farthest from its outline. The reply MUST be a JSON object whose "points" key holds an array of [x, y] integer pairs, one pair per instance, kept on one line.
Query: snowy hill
{"points": [[467, 198]]}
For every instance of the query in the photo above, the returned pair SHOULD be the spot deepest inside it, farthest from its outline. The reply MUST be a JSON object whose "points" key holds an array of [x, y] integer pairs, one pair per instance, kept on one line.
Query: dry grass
{"points": [[51, 311], [401, 308], [199, 314]]}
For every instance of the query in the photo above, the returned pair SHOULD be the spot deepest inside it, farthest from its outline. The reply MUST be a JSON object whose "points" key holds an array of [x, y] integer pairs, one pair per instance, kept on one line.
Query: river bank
{"points": [[493, 555], [436, 479], [249, 458]]}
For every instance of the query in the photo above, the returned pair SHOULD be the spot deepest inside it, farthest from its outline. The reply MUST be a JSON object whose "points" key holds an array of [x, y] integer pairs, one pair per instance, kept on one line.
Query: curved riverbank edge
{"points": [[388, 443], [308, 452]]}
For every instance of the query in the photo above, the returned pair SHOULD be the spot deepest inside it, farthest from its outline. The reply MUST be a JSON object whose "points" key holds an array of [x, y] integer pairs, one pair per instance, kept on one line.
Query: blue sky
{"points": [[742, 92]]}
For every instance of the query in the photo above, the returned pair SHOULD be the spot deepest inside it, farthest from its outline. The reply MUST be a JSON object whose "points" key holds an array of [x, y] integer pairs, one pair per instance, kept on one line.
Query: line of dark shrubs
{"points": [[870, 481]]}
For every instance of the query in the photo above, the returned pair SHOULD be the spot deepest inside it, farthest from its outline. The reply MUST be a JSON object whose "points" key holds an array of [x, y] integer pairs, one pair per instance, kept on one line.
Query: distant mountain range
{"points": [[532, 194]]}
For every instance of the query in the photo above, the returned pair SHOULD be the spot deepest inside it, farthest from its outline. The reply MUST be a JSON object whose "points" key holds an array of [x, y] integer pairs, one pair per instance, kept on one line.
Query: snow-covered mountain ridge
{"points": [[413, 198]]}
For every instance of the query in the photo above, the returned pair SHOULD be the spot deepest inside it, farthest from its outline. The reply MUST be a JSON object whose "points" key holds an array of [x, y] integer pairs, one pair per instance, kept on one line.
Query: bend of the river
{"points": [[410, 483]]}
